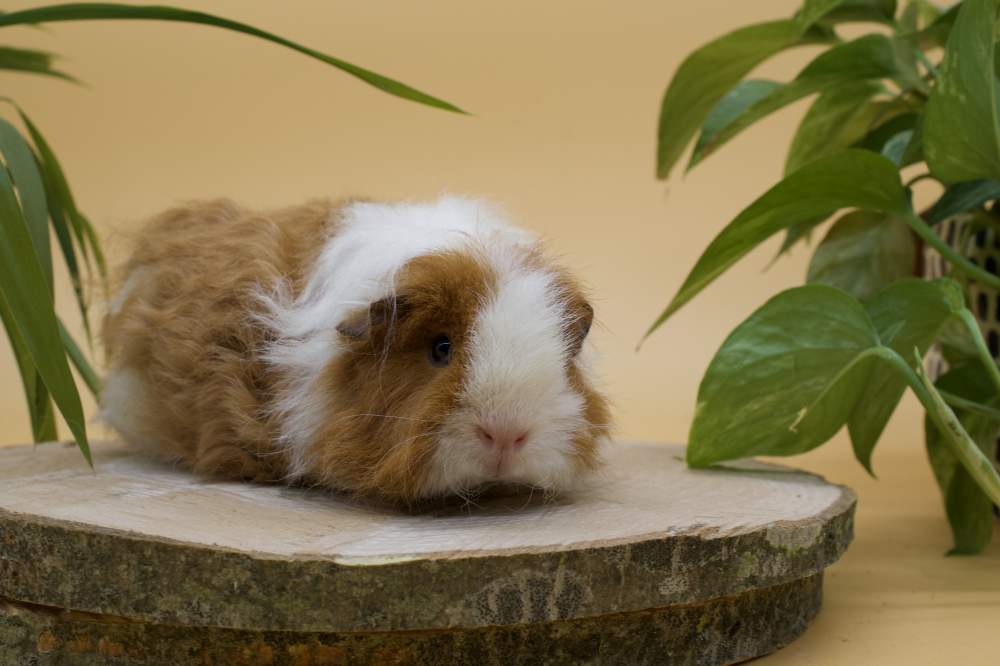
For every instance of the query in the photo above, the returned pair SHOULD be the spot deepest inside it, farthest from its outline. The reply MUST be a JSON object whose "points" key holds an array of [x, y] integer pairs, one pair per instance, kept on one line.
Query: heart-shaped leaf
{"points": [[785, 380], [710, 72], [908, 315], [730, 107], [962, 123], [836, 120], [863, 253], [791, 375], [867, 58], [850, 179]]}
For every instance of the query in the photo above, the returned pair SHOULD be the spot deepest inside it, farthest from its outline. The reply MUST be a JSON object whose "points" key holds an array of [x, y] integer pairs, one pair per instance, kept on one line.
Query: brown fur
{"points": [[188, 328], [386, 374], [192, 329]]}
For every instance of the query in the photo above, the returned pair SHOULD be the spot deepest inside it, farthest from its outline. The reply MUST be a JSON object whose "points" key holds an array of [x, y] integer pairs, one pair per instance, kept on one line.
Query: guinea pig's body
{"points": [[393, 350]]}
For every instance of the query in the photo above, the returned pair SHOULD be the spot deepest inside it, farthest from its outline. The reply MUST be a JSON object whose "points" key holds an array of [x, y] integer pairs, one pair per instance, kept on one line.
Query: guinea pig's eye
{"points": [[440, 351]]}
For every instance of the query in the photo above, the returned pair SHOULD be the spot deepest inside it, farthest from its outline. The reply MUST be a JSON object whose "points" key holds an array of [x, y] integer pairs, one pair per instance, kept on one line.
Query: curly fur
{"points": [[292, 345]]}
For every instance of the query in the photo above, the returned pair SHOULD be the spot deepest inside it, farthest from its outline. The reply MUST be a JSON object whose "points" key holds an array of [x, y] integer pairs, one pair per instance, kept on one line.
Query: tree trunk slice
{"points": [[652, 563]]}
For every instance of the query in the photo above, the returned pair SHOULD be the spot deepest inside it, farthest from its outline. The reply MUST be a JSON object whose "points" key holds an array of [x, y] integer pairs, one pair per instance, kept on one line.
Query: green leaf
{"points": [[66, 217], [937, 33], [867, 58], [886, 129], [791, 375], [907, 315], [918, 14], [863, 253], [28, 60], [23, 285], [785, 380], [57, 186], [843, 11], [836, 120], [730, 107], [895, 148], [969, 509], [43, 423], [713, 70], [114, 11], [800, 231], [962, 197], [24, 172], [850, 179], [961, 128], [80, 362]]}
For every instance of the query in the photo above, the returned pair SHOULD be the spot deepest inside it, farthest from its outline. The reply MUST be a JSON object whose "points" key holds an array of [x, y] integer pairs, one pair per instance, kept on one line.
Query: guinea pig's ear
{"points": [[578, 326], [379, 315]]}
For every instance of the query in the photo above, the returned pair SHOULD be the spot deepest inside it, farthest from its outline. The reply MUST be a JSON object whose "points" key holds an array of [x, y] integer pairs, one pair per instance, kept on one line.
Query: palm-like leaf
{"points": [[35, 192]]}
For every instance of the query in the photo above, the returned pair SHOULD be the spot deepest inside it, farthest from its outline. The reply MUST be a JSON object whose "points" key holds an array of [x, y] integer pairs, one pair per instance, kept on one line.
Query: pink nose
{"points": [[502, 438]]}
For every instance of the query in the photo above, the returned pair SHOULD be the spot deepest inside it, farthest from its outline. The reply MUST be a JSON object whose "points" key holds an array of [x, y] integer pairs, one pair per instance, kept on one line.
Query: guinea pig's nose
{"points": [[502, 437]]}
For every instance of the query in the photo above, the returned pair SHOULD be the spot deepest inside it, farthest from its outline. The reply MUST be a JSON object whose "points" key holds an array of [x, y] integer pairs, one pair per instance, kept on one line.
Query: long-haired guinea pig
{"points": [[399, 351]]}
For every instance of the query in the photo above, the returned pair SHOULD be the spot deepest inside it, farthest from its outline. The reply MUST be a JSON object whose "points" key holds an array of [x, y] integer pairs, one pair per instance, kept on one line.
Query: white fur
{"points": [[516, 381], [356, 267], [517, 375]]}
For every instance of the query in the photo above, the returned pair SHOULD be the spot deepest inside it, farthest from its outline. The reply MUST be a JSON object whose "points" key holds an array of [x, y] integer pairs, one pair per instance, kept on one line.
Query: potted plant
{"points": [[917, 99], [34, 193]]}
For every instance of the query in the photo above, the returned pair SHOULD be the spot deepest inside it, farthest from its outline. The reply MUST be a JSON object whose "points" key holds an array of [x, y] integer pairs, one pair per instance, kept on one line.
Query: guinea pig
{"points": [[399, 351]]}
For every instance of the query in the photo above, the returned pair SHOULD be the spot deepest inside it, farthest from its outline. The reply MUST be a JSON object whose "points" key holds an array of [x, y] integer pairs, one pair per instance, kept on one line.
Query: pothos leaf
{"points": [[867, 58], [836, 120], [863, 253], [909, 314], [838, 11], [791, 375], [785, 380], [970, 511], [850, 179], [730, 107], [962, 120], [711, 71]]}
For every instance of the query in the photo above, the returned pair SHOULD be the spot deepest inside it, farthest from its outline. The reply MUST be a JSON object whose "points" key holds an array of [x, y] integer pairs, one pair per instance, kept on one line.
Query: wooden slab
{"points": [[141, 541]]}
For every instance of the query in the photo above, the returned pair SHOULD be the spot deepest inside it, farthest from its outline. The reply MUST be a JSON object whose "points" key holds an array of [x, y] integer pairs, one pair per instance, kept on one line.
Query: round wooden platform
{"points": [[654, 563]]}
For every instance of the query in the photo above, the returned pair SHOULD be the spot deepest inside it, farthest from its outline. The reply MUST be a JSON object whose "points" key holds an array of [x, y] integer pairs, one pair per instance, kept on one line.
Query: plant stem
{"points": [[970, 405], [965, 449], [956, 260], [984, 351]]}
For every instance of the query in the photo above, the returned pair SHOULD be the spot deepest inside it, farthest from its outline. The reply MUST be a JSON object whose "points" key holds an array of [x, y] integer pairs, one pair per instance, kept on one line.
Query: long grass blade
{"points": [[43, 422], [115, 11], [24, 172], [23, 285], [80, 362], [31, 62]]}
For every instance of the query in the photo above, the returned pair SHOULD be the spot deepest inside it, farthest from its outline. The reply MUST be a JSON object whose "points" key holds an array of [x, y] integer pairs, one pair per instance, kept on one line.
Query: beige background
{"points": [[565, 97]]}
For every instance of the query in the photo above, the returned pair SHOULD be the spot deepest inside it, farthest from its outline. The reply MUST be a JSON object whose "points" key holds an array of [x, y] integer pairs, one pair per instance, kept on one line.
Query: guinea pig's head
{"points": [[471, 373]]}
